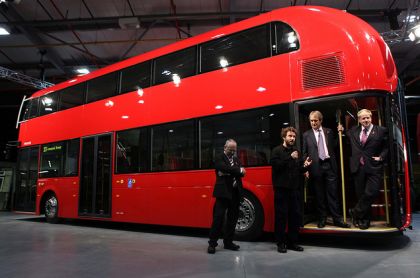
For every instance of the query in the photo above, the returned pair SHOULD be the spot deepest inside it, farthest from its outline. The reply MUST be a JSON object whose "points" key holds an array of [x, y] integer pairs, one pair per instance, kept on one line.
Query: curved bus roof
{"points": [[320, 31]]}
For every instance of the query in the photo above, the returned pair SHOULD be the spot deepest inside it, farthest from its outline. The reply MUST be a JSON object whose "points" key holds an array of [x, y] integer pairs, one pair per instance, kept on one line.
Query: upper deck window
{"points": [[238, 48], [175, 66], [102, 87], [136, 77], [48, 104], [31, 109], [72, 96], [285, 37]]}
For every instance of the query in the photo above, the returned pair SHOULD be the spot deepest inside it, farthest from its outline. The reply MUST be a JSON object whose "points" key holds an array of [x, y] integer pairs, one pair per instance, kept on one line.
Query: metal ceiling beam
{"points": [[31, 33], [23, 79], [145, 20], [92, 57], [134, 43]]}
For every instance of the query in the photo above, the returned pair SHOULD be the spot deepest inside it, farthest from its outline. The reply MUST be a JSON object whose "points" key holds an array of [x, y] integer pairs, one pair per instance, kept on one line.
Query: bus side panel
{"points": [[166, 198], [62, 125], [66, 191], [181, 198]]}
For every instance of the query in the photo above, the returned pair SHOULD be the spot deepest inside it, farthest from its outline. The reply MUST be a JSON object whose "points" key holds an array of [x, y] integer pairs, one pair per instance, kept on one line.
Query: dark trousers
{"points": [[367, 187], [325, 185], [231, 209], [287, 214]]}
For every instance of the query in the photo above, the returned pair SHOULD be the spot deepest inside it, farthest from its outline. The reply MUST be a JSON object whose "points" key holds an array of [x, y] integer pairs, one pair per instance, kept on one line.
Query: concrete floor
{"points": [[30, 247]]}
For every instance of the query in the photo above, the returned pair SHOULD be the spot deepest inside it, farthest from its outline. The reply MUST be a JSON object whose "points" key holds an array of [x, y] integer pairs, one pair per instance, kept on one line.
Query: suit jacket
{"points": [[376, 145], [225, 173], [310, 148], [286, 172]]}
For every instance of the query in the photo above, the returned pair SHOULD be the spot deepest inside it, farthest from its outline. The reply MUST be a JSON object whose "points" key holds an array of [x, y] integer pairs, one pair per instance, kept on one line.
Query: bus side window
{"points": [[132, 151], [136, 77], [48, 104], [174, 146], [51, 160], [175, 66], [31, 109], [72, 96], [102, 87], [286, 39], [71, 158], [256, 132], [238, 48]]}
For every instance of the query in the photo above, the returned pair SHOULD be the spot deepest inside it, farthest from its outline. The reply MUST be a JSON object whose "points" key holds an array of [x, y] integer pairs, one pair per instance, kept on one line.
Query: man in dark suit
{"points": [[319, 145], [369, 145], [227, 191], [287, 173]]}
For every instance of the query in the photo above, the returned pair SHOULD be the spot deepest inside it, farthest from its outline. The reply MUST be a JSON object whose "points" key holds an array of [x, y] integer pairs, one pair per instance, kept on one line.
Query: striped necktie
{"points": [[231, 164]]}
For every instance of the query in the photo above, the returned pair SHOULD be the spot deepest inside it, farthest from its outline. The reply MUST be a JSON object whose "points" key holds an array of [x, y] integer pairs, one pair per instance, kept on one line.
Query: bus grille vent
{"points": [[322, 72]]}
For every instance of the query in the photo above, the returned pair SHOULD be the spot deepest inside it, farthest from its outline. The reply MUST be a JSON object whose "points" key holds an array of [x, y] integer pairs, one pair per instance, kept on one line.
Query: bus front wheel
{"points": [[251, 218], [51, 209]]}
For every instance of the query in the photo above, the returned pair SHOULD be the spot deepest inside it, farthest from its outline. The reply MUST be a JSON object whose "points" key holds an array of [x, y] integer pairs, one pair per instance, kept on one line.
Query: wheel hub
{"points": [[246, 216], [51, 206]]}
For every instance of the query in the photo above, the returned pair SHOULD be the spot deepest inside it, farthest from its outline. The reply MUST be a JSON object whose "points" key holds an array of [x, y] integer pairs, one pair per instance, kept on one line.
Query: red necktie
{"points": [[363, 142]]}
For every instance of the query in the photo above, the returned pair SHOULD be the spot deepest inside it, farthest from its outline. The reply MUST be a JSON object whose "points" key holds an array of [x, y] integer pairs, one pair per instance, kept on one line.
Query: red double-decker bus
{"points": [[135, 141]]}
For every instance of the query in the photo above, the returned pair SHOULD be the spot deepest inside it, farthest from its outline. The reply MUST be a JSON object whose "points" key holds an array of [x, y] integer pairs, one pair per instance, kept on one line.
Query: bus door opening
{"points": [[344, 111], [26, 180], [95, 184]]}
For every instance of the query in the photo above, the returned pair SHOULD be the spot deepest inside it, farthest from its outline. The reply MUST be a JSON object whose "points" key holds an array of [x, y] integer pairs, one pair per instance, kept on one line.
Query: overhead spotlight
{"points": [[10, 1], [4, 31], [414, 33]]}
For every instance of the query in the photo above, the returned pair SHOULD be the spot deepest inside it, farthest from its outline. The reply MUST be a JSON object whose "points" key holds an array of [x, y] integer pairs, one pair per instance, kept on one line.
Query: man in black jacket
{"points": [[287, 170], [227, 191], [369, 147], [319, 145]]}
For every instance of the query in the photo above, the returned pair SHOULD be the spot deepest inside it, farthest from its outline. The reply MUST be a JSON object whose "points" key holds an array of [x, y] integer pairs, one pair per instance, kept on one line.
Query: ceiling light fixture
{"points": [[414, 33], [4, 32]]}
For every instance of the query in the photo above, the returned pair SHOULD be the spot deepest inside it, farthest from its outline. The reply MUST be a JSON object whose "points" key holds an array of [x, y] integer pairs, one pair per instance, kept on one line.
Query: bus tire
{"points": [[51, 209], [251, 218]]}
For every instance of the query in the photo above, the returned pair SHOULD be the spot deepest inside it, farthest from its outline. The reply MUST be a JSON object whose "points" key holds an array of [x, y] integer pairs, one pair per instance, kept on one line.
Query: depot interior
{"points": [[47, 42]]}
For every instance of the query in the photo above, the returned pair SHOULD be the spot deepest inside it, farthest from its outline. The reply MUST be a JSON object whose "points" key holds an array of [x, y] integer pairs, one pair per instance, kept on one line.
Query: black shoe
{"points": [[364, 224], [354, 220], [340, 223], [231, 246], [281, 248], [211, 249], [295, 247], [321, 222]]}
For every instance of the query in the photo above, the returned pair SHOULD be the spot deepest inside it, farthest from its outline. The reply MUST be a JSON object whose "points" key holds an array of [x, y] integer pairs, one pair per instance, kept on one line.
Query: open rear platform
{"points": [[375, 227]]}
